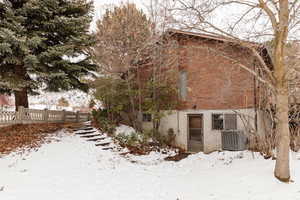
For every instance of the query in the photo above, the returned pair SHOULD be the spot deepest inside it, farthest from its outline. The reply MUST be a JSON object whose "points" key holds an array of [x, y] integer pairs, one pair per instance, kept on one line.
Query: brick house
{"points": [[216, 94], [4, 101]]}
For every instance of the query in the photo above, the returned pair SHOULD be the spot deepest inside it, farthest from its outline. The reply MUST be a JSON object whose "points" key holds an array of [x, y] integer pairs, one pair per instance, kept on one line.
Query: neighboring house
{"points": [[4, 101], [293, 62], [295, 93], [216, 94]]}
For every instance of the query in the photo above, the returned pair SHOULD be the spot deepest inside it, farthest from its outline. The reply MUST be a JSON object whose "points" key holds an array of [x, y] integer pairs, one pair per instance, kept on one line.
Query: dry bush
{"points": [[31, 136]]}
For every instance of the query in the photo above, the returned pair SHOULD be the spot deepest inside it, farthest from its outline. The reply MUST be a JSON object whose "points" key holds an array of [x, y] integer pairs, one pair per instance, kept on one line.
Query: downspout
{"points": [[178, 131], [255, 100], [178, 71]]}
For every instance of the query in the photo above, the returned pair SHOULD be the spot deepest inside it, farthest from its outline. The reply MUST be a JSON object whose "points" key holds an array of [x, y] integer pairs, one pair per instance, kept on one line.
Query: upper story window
{"points": [[183, 85], [224, 121]]}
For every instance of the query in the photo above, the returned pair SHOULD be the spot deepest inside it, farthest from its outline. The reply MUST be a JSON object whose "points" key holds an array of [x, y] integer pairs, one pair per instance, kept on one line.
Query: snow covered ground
{"points": [[73, 169]]}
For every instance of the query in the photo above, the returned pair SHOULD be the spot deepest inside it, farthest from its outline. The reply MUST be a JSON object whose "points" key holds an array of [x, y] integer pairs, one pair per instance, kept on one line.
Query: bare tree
{"points": [[293, 61], [130, 48], [121, 35], [248, 21]]}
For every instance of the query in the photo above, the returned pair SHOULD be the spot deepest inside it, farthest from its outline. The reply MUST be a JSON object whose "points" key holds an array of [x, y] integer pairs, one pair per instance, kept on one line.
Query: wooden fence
{"points": [[28, 116]]}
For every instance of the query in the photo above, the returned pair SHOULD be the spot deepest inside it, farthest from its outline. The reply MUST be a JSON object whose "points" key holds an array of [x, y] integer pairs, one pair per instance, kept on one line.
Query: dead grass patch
{"points": [[28, 136]]}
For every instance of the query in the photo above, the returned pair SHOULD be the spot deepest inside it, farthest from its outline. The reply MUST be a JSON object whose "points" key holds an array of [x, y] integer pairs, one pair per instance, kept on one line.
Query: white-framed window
{"points": [[221, 121]]}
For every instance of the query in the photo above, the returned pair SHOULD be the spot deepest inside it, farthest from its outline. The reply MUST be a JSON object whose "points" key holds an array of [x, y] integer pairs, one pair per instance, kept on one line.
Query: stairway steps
{"points": [[84, 133], [107, 148], [103, 144], [96, 139], [90, 136], [87, 132], [84, 129]]}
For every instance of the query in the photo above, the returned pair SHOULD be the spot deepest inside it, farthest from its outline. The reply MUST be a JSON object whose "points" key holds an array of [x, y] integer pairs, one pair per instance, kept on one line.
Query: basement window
{"points": [[147, 117], [224, 121], [217, 121]]}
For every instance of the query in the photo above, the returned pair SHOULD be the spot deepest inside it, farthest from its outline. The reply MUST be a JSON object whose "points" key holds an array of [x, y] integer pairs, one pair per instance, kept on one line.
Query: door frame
{"points": [[188, 128]]}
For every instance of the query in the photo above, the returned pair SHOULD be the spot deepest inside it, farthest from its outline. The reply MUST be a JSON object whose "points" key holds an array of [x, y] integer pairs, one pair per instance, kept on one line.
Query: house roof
{"points": [[261, 48], [176, 31], [214, 37]]}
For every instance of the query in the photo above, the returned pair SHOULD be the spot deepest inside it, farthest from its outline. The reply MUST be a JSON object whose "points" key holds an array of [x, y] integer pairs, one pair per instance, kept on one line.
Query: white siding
{"points": [[212, 138]]}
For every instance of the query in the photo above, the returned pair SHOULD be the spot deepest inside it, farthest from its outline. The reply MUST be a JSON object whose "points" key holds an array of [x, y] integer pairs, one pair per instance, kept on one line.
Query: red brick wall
{"points": [[214, 80]]}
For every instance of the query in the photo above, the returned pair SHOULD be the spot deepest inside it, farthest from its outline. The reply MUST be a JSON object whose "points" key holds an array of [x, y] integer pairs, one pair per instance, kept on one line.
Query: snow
{"points": [[49, 100], [153, 158], [70, 168], [124, 130]]}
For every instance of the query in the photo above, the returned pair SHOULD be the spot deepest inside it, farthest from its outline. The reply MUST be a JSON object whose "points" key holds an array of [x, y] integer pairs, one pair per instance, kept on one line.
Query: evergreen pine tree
{"points": [[44, 43]]}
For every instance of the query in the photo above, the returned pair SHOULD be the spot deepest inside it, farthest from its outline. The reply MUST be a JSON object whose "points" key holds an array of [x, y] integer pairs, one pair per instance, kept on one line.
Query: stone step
{"points": [[96, 139], [124, 153], [90, 136], [103, 144], [84, 129], [107, 148], [87, 132]]}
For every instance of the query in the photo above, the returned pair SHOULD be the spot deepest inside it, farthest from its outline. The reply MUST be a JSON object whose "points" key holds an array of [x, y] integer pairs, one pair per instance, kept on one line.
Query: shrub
{"points": [[138, 142], [155, 138], [105, 124], [132, 140]]}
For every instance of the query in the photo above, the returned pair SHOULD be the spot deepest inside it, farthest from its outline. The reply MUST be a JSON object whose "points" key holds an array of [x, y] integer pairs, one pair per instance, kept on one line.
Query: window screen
{"points": [[230, 121], [224, 121]]}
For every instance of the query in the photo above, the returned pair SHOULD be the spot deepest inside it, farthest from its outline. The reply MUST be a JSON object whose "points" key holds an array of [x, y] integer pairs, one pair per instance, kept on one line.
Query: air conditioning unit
{"points": [[234, 140]]}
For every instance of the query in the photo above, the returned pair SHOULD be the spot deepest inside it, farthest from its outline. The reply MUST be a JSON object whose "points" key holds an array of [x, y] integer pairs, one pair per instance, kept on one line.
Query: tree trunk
{"points": [[140, 112], [21, 98], [282, 168], [137, 124]]}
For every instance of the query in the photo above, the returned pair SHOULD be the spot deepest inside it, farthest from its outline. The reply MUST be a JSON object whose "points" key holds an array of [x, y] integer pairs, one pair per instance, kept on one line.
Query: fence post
{"points": [[64, 115], [46, 115], [21, 115], [77, 116]]}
